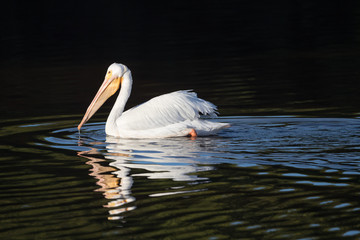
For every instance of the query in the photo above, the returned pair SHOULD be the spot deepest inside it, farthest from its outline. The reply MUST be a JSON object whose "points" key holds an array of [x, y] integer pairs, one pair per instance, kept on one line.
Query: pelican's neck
{"points": [[118, 108]]}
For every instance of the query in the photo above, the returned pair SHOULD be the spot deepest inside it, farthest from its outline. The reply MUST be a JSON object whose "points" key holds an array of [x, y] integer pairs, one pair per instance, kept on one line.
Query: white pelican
{"points": [[170, 115]]}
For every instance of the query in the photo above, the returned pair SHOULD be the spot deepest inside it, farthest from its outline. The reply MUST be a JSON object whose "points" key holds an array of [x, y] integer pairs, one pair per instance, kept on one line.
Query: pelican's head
{"points": [[116, 70], [113, 78]]}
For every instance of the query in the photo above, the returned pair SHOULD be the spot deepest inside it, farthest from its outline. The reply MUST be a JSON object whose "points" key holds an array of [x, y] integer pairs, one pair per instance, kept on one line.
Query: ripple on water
{"points": [[274, 177]]}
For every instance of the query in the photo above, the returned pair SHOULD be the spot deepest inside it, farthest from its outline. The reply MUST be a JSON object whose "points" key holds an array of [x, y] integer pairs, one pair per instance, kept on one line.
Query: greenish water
{"points": [[265, 177]]}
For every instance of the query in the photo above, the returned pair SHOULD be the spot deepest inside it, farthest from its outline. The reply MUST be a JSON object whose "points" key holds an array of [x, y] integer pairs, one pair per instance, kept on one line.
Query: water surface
{"points": [[277, 177], [265, 177]]}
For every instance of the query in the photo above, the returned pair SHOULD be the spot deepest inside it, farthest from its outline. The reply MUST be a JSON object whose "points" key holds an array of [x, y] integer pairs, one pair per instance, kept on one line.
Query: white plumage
{"points": [[169, 115]]}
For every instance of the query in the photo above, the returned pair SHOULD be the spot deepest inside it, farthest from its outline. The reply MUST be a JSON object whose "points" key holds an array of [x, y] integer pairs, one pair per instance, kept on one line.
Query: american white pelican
{"points": [[170, 115]]}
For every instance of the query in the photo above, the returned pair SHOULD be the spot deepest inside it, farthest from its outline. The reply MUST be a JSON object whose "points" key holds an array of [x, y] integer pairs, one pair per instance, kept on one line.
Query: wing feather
{"points": [[166, 109]]}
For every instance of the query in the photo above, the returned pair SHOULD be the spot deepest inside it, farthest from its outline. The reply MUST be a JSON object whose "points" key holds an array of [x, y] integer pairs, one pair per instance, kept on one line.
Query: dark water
{"points": [[266, 177], [248, 58], [285, 75]]}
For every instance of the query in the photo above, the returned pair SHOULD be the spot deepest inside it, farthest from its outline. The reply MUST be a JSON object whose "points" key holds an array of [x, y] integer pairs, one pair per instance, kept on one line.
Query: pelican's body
{"points": [[170, 115]]}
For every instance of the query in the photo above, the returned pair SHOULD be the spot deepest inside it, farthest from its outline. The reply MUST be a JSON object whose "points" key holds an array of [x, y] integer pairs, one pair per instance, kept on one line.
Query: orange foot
{"points": [[192, 133]]}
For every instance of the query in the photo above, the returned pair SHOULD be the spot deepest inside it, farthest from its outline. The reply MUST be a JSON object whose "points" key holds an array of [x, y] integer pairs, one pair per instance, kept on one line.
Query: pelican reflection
{"points": [[114, 164]]}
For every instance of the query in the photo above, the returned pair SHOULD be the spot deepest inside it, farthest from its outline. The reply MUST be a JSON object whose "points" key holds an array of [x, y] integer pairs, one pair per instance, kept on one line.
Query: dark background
{"points": [[247, 57]]}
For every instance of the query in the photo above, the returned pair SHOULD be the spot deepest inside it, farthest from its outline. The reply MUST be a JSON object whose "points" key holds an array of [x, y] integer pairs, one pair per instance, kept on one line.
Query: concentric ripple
{"points": [[265, 177]]}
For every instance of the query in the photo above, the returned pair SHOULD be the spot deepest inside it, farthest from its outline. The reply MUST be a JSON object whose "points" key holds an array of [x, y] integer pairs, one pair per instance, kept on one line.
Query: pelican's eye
{"points": [[108, 74]]}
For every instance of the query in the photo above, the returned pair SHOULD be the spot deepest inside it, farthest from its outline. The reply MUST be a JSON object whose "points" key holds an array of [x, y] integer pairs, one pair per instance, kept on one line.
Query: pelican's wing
{"points": [[166, 109]]}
